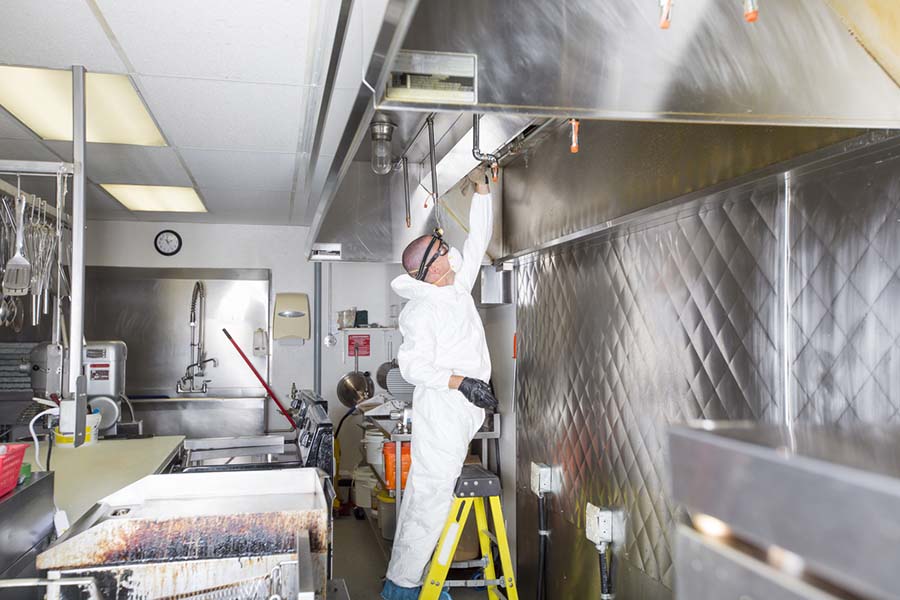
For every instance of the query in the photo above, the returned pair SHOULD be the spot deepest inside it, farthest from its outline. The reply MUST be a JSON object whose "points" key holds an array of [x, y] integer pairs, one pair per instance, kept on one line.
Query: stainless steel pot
{"points": [[356, 386], [382, 372]]}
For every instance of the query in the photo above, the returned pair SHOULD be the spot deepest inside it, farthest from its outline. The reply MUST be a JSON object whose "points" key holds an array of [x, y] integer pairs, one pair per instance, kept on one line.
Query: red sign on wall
{"points": [[358, 341]]}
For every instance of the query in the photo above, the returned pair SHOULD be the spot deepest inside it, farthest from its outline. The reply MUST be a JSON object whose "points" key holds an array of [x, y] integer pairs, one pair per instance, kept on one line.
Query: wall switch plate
{"points": [[541, 478]]}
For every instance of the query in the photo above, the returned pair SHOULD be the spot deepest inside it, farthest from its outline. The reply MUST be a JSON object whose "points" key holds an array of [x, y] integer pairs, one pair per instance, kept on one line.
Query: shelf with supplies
{"points": [[388, 427]]}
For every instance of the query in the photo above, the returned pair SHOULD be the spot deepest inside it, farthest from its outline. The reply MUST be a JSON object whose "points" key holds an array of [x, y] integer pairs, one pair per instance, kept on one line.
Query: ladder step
{"points": [[473, 583], [468, 564], [476, 482]]}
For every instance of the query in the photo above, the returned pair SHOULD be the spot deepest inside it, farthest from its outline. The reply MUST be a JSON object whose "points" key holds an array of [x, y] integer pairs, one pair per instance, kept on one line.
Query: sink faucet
{"points": [[197, 368]]}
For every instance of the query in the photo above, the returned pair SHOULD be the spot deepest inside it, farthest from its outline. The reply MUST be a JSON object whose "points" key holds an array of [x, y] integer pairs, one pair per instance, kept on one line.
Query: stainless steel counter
{"points": [[830, 496], [26, 523], [86, 474]]}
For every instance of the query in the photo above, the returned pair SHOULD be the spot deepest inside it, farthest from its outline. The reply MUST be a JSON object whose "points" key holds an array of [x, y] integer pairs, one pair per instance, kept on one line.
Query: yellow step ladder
{"points": [[475, 488]]}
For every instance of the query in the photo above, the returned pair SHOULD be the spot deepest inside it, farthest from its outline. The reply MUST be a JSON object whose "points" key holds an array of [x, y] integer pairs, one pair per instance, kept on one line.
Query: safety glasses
{"points": [[428, 258]]}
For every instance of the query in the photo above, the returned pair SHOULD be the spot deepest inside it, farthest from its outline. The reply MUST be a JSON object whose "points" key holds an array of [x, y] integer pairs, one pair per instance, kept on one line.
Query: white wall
{"points": [[280, 249]]}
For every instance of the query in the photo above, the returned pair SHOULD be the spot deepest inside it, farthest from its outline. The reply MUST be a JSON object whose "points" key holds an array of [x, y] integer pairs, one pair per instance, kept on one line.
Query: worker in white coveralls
{"points": [[444, 354]]}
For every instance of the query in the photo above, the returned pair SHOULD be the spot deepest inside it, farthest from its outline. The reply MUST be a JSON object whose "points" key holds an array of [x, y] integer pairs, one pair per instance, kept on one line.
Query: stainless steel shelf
{"points": [[827, 495]]}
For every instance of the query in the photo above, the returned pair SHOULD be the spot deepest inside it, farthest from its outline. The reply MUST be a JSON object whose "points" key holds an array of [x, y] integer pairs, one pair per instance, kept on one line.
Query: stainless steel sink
{"points": [[202, 416]]}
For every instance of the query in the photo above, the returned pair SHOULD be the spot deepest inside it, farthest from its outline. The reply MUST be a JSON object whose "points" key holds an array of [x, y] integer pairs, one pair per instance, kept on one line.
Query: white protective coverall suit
{"points": [[442, 336]]}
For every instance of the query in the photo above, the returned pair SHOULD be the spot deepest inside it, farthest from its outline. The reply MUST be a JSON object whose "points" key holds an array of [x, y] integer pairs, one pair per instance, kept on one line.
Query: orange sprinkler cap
{"points": [[751, 16], [573, 148]]}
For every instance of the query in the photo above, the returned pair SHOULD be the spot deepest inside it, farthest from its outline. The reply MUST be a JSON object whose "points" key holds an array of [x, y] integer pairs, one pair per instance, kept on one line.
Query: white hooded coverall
{"points": [[442, 336]]}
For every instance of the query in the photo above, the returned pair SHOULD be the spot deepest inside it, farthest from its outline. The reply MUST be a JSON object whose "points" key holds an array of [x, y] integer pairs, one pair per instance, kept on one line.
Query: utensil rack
{"points": [[32, 200], [77, 221]]}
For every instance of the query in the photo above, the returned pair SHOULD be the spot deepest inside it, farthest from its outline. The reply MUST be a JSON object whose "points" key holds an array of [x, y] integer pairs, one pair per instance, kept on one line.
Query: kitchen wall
{"points": [[769, 299], [280, 249]]}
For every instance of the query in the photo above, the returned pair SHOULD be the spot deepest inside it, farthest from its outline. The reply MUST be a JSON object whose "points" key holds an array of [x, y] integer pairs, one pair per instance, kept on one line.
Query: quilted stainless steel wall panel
{"points": [[678, 315], [845, 256], [621, 336]]}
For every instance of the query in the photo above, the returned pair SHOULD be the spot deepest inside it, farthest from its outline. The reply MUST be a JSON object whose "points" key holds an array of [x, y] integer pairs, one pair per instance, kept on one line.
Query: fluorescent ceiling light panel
{"points": [[42, 100], [156, 198]]}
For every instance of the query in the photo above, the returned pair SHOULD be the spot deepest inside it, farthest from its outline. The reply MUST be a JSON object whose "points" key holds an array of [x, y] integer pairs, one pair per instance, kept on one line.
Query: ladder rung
{"points": [[468, 564], [473, 583]]}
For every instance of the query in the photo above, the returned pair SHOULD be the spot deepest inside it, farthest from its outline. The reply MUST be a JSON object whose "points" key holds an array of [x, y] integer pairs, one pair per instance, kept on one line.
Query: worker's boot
{"points": [[392, 591]]}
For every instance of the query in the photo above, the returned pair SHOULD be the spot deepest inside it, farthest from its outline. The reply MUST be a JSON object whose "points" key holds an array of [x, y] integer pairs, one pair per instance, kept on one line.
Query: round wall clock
{"points": [[167, 242]]}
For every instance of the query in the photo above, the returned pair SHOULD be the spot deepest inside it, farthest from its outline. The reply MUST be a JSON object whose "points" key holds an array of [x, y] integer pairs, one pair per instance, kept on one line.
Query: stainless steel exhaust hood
{"points": [[797, 65], [692, 88], [367, 217]]}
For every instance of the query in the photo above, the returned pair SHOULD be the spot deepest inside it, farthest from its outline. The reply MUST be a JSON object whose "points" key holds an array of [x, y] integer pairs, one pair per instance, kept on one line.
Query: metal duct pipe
{"points": [[476, 143], [317, 328], [76, 310]]}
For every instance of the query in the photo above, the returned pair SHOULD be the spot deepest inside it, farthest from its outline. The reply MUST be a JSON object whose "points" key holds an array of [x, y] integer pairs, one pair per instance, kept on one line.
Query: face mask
{"points": [[456, 260]]}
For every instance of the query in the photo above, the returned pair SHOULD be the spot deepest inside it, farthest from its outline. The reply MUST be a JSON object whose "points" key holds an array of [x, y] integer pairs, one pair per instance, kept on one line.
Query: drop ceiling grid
{"points": [[227, 84]]}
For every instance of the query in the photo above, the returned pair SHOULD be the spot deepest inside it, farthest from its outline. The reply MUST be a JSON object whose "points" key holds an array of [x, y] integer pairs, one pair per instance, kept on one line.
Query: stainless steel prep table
{"points": [[86, 474]]}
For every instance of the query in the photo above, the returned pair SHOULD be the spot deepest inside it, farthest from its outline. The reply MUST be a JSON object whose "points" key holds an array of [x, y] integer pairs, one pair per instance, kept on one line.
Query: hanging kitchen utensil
{"points": [[356, 386], [4, 310], [385, 367], [330, 339], [18, 269], [18, 319]]}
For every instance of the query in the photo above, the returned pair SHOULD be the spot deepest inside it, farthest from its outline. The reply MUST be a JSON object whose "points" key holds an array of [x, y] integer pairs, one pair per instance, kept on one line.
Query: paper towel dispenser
{"points": [[291, 317]]}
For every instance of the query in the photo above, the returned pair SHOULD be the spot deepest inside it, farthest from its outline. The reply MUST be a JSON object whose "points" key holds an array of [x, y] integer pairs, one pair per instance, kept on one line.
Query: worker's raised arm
{"points": [[418, 351], [481, 224]]}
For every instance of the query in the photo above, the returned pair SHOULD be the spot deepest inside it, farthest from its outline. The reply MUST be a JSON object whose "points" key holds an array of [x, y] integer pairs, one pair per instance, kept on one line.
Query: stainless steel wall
{"points": [[680, 314], [149, 309]]}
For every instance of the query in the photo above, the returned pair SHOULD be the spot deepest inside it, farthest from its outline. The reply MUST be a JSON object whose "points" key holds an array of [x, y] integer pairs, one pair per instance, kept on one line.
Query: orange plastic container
{"points": [[390, 464]]}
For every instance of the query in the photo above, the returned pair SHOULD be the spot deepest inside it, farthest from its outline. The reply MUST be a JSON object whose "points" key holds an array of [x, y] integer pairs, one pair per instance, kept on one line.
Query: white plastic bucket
{"points": [[374, 442], [364, 484], [67, 440]]}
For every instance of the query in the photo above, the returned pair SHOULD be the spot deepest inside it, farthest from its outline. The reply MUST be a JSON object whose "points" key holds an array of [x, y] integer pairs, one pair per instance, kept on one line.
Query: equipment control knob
{"points": [[306, 439]]}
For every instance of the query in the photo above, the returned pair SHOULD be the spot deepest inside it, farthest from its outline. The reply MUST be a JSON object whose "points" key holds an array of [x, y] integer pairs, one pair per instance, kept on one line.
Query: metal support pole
{"points": [[76, 320], [405, 162], [431, 157], [317, 328]]}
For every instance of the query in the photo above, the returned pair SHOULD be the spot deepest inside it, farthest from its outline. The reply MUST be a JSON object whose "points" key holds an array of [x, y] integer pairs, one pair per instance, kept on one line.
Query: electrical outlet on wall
{"points": [[542, 479], [604, 525]]}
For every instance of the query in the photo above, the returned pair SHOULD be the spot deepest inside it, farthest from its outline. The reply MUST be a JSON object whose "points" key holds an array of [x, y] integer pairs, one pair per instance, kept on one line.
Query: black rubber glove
{"points": [[478, 393]]}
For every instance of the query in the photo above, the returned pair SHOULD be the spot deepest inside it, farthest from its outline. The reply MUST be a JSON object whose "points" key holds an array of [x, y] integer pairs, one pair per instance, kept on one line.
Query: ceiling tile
{"points": [[24, 150], [263, 41], [225, 115], [241, 170], [117, 163], [11, 128], [248, 206], [56, 34]]}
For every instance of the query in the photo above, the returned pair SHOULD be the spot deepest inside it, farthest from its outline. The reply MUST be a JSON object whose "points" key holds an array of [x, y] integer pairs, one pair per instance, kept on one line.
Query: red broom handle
{"points": [[269, 390]]}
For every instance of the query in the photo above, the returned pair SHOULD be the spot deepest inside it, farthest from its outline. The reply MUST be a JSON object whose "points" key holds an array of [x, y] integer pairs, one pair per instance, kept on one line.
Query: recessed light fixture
{"points": [[156, 198], [42, 100]]}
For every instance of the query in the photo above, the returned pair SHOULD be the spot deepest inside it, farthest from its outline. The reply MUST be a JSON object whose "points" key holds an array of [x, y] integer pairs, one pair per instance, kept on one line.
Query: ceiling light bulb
{"points": [[382, 156]]}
